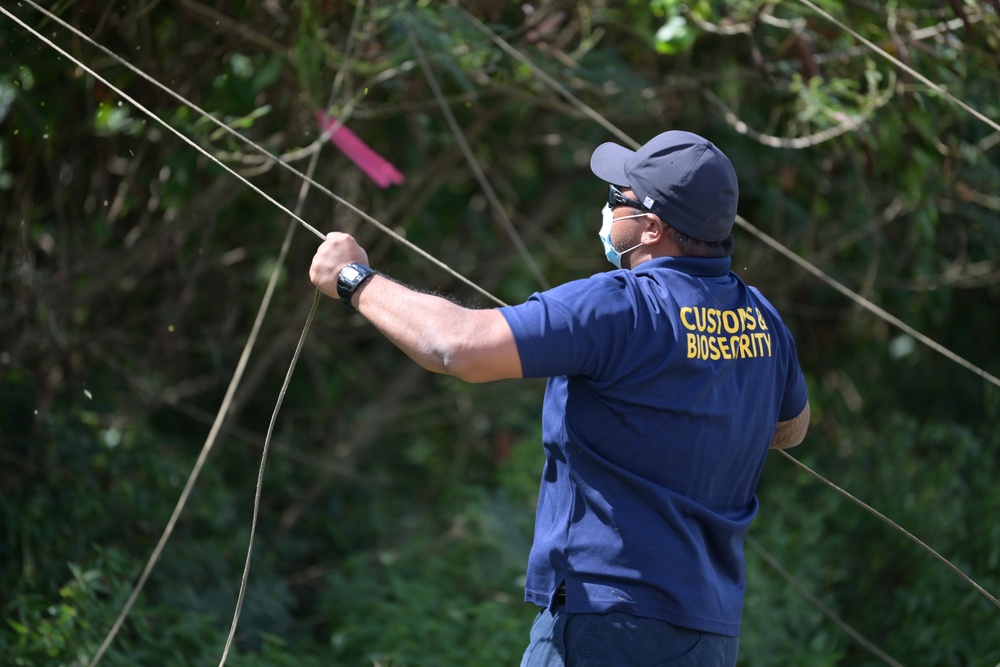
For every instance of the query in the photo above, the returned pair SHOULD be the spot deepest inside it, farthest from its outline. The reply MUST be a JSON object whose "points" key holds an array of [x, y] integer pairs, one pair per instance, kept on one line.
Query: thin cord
{"points": [[903, 66], [203, 456], [260, 473], [154, 558], [284, 164], [552, 83], [811, 268], [509, 50], [868, 508], [182, 501], [473, 162], [862, 301], [866, 304], [816, 602], [303, 192], [162, 122]]}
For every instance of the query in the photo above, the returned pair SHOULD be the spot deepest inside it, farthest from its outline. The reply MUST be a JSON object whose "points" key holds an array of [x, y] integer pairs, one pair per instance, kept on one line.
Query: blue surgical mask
{"points": [[608, 220]]}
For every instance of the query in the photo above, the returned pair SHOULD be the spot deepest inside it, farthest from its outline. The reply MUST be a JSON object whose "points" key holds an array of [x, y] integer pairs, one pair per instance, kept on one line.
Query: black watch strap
{"points": [[351, 277]]}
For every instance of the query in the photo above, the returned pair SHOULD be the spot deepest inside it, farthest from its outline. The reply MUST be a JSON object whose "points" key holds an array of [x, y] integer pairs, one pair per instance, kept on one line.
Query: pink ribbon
{"points": [[374, 165]]}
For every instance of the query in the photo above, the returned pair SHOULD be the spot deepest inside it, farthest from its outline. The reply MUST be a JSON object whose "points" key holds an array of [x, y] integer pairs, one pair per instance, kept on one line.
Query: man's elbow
{"points": [[466, 367], [475, 365], [480, 348], [451, 357]]}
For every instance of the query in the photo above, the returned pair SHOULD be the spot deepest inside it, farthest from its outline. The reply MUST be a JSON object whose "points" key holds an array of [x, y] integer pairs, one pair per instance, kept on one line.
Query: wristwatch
{"points": [[350, 278]]}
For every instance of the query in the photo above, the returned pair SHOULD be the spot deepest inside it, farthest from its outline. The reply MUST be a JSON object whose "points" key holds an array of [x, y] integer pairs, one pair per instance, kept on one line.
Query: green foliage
{"points": [[47, 634], [458, 593], [675, 36], [924, 474], [397, 506], [115, 119]]}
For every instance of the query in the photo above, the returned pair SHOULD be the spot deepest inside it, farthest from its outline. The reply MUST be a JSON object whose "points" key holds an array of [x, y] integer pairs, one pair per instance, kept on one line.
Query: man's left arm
{"points": [[792, 432], [441, 336]]}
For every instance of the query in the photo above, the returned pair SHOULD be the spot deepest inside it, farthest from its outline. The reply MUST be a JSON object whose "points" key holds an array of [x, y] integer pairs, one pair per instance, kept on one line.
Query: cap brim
{"points": [[608, 163]]}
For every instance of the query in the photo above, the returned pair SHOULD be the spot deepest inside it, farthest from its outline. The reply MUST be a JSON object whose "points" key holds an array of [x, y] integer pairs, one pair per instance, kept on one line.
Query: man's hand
{"points": [[336, 252]]}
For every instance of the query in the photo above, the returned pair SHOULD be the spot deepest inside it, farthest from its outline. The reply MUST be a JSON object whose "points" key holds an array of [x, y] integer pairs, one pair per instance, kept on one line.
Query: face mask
{"points": [[608, 220]]}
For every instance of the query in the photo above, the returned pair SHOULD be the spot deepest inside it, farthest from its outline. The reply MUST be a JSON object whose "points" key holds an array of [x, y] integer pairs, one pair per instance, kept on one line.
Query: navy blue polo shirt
{"points": [[665, 386]]}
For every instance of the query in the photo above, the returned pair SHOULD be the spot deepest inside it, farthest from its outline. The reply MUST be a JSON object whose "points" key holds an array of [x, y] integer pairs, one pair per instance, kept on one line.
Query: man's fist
{"points": [[336, 252]]}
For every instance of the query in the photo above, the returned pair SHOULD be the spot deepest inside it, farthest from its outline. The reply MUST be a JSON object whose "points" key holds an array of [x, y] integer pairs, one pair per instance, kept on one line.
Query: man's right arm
{"points": [[471, 344], [792, 432]]}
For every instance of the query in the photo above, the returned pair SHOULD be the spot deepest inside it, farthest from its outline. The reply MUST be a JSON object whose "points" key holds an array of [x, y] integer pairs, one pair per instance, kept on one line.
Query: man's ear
{"points": [[654, 230]]}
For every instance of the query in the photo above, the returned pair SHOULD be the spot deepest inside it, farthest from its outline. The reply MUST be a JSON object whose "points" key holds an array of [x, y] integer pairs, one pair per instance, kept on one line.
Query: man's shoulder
{"points": [[603, 282]]}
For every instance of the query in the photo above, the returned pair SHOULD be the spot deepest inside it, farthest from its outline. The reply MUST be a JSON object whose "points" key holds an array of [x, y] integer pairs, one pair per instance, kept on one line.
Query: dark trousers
{"points": [[559, 639]]}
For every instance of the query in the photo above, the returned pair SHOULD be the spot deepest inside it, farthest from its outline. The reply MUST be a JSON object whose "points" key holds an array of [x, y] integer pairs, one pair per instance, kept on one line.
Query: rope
{"points": [[903, 66], [866, 304], [260, 474], [205, 450], [314, 160], [548, 80], [816, 602], [303, 192], [506, 47], [880, 312], [588, 111], [874, 512], [282, 163], [473, 162], [152, 115]]}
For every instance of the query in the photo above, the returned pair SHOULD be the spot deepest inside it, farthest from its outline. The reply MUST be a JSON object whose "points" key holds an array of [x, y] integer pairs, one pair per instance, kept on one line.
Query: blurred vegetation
{"points": [[397, 506]]}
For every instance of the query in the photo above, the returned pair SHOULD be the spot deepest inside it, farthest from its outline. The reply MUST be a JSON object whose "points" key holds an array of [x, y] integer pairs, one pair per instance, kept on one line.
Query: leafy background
{"points": [[397, 506]]}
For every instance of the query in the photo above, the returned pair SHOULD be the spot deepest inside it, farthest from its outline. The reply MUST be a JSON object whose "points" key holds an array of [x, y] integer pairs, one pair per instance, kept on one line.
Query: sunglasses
{"points": [[617, 198]]}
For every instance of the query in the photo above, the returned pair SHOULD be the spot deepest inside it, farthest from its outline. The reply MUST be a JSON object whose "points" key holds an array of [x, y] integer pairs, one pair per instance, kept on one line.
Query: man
{"points": [[669, 379]]}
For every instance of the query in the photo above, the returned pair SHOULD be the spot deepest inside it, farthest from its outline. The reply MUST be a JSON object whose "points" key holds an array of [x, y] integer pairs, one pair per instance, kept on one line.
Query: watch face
{"points": [[350, 277]]}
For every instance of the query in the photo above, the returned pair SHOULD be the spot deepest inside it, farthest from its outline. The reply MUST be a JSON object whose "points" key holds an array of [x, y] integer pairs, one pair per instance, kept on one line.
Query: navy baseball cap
{"points": [[679, 176]]}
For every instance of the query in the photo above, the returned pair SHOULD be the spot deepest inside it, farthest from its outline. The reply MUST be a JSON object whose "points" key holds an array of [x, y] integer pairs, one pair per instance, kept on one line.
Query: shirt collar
{"points": [[693, 266]]}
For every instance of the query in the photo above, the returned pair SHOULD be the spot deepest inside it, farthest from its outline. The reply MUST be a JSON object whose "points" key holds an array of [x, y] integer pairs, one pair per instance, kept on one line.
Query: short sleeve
{"points": [[576, 329], [796, 394]]}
